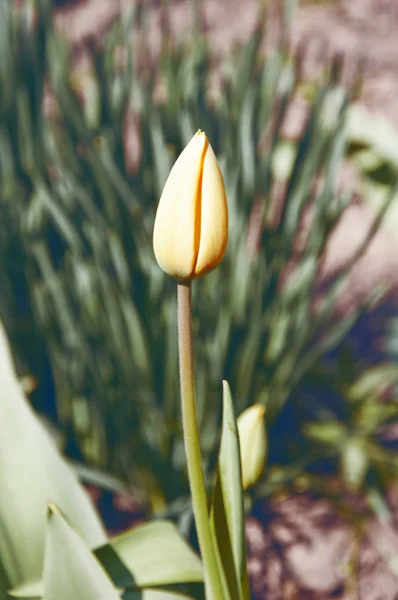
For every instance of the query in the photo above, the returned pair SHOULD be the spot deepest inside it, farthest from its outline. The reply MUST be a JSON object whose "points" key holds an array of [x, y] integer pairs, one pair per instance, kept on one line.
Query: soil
{"points": [[300, 547]]}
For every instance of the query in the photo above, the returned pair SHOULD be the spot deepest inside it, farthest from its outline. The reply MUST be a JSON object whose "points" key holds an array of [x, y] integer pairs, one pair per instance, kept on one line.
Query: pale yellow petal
{"points": [[213, 217], [253, 444], [175, 234]]}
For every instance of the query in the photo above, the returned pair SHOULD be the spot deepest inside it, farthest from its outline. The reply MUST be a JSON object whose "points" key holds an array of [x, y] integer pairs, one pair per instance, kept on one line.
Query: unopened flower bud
{"points": [[191, 225], [253, 444]]}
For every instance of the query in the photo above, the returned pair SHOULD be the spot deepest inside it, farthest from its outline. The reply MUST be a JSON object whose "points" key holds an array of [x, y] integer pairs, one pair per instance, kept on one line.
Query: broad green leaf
{"points": [[150, 555], [32, 473], [227, 514], [70, 569], [152, 594], [32, 589], [36, 591]]}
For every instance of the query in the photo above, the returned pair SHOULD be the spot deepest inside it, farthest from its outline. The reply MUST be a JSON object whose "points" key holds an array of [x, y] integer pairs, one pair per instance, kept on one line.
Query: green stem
{"points": [[213, 584]]}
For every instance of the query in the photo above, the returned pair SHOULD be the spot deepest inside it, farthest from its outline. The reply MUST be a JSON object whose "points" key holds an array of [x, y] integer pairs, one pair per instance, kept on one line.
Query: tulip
{"points": [[253, 444], [191, 225]]}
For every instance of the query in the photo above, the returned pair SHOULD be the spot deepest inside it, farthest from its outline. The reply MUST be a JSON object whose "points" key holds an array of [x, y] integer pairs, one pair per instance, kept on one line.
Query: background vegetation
{"points": [[85, 149]]}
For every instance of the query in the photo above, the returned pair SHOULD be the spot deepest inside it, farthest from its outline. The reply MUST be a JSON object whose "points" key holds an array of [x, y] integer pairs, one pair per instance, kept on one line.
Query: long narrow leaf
{"points": [[31, 473]]}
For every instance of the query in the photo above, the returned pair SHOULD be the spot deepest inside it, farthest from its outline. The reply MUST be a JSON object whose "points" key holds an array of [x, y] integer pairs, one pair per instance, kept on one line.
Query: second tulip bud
{"points": [[191, 225], [253, 444]]}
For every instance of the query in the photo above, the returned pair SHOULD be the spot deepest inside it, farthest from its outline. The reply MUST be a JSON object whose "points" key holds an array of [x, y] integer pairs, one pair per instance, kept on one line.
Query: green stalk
{"points": [[213, 584]]}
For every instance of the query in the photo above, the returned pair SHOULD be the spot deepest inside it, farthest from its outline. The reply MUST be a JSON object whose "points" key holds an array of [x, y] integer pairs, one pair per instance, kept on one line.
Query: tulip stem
{"points": [[213, 584]]}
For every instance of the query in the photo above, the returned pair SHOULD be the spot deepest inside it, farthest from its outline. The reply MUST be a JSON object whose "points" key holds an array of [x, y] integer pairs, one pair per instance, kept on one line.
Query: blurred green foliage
{"points": [[79, 184]]}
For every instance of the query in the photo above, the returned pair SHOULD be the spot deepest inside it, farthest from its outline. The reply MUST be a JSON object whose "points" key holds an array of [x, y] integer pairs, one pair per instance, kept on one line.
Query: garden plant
{"points": [[87, 149]]}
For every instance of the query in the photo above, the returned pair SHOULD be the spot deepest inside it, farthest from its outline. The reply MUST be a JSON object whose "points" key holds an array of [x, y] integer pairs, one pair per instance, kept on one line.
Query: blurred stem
{"points": [[351, 585], [213, 584]]}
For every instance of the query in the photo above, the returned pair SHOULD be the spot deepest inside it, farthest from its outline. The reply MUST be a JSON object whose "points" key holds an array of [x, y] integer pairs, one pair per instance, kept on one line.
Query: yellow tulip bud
{"points": [[253, 444], [191, 225]]}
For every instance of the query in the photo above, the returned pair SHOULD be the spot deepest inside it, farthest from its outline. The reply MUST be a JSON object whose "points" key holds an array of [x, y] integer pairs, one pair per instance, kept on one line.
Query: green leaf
{"points": [[373, 382], [374, 413], [283, 160], [152, 594], [227, 511], [375, 195], [379, 505], [150, 555], [377, 133], [332, 432], [32, 473], [354, 463], [94, 476], [4, 585], [32, 589], [70, 569]]}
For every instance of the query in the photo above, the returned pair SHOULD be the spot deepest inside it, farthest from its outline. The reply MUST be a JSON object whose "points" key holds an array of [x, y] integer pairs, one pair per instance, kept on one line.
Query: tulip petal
{"points": [[175, 237], [253, 444], [213, 218]]}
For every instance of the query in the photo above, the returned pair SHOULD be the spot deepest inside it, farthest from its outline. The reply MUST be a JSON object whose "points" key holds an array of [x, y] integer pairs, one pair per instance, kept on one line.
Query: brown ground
{"points": [[300, 548]]}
